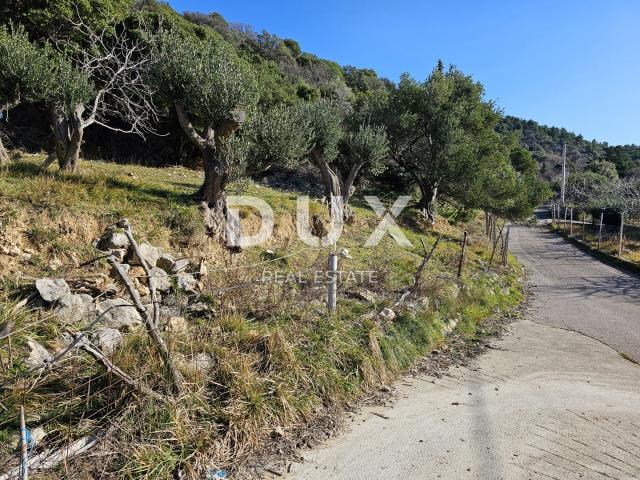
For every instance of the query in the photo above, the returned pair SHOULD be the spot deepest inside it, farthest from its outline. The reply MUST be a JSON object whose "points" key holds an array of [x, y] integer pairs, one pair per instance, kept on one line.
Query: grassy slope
{"points": [[279, 360]]}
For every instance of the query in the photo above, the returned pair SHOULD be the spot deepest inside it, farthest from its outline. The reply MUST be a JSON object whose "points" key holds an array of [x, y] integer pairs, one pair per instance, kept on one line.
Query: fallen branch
{"points": [[125, 377], [152, 328], [124, 224], [52, 458], [419, 271]]}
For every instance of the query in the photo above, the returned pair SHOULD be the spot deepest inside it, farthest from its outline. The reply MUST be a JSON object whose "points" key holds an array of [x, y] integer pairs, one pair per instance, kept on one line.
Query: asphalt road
{"points": [[546, 403], [577, 292]]}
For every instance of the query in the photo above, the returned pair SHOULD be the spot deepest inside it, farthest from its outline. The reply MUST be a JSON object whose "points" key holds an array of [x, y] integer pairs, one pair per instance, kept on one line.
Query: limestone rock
{"points": [[55, 264], [38, 355], [149, 253], [121, 316], [186, 282], [159, 280], [107, 339], [166, 262], [180, 265], [52, 289], [118, 254], [113, 240], [387, 314], [201, 362], [200, 309], [74, 308], [178, 326], [363, 294]]}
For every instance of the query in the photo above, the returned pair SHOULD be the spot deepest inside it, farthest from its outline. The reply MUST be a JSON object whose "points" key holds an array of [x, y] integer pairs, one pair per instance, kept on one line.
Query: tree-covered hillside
{"points": [[545, 144]]}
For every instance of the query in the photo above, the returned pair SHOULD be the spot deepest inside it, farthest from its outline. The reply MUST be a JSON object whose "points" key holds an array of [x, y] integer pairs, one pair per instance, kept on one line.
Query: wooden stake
{"points": [[464, 247], [332, 287], [584, 223], [495, 245], [505, 246], [600, 230]]}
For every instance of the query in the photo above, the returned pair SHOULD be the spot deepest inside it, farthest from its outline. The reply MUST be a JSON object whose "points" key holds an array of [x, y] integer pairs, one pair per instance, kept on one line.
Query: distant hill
{"points": [[545, 145]]}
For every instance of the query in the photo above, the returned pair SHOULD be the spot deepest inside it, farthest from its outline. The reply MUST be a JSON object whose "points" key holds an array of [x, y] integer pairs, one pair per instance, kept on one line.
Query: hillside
{"points": [[545, 144], [261, 359]]}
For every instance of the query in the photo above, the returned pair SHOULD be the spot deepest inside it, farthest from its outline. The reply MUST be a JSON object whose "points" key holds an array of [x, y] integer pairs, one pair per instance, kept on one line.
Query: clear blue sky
{"points": [[568, 63]]}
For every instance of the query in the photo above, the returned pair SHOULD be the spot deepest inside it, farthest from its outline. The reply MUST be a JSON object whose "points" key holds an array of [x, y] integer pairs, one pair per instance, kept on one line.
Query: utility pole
{"points": [[564, 170]]}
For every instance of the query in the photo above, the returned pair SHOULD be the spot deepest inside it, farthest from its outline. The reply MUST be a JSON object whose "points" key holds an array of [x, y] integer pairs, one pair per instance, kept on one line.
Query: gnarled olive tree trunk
{"points": [[428, 201], [4, 110], [334, 184], [68, 132], [4, 155], [211, 143]]}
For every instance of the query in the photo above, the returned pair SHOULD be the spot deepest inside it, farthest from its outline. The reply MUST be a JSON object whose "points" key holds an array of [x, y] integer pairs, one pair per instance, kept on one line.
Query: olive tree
{"points": [[26, 73], [103, 81], [277, 136], [211, 90], [342, 153], [214, 94], [442, 134]]}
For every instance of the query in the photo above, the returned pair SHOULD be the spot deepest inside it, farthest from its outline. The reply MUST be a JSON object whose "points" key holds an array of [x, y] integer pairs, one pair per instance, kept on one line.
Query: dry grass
{"points": [[278, 359]]}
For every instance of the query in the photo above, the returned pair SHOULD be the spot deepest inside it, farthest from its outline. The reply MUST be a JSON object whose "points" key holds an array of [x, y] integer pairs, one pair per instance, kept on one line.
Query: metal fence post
{"points": [[332, 287], [571, 224], [621, 233], [24, 460], [464, 246], [600, 230]]}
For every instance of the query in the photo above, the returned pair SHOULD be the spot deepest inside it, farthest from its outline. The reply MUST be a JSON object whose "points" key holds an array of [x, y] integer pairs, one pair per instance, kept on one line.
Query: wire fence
{"points": [[613, 234], [74, 400]]}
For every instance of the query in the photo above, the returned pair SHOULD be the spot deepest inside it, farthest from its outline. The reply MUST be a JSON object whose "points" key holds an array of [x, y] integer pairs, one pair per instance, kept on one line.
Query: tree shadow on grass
{"points": [[28, 170]]}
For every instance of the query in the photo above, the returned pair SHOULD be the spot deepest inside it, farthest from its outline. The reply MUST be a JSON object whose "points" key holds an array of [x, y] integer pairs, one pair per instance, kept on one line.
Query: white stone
{"points": [[201, 362], [150, 254], [38, 355], [387, 314], [107, 339], [52, 289], [118, 254], [177, 325], [186, 282], [113, 240], [159, 280], [180, 265], [75, 308], [122, 316], [55, 264]]}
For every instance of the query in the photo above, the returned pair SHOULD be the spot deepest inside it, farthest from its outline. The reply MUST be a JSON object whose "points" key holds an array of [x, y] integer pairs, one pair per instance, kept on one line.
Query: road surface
{"points": [[548, 403], [577, 292]]}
